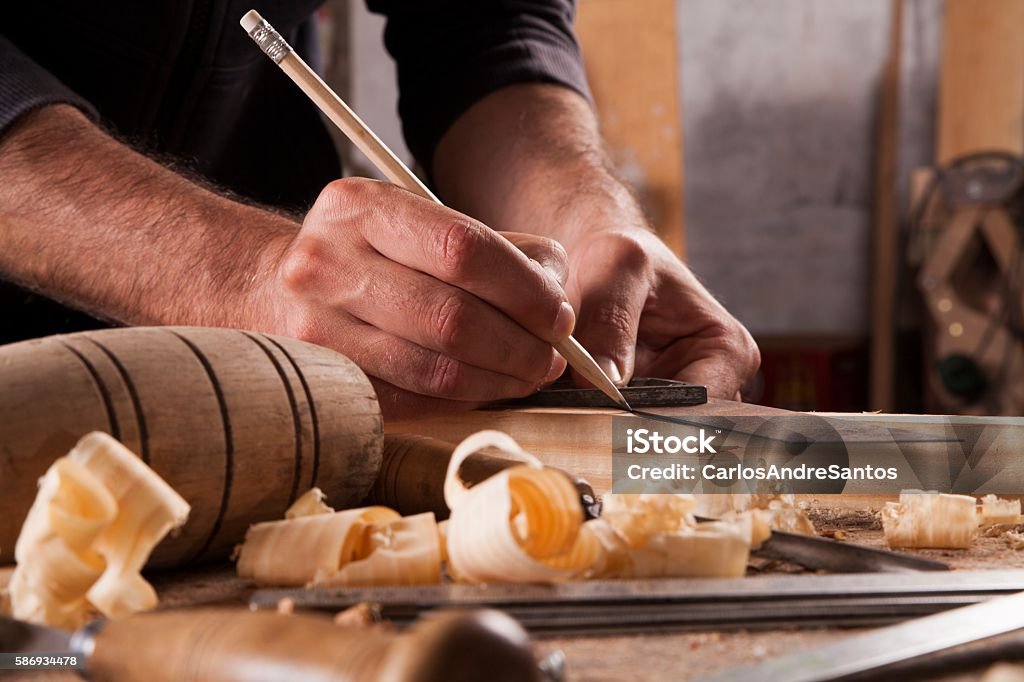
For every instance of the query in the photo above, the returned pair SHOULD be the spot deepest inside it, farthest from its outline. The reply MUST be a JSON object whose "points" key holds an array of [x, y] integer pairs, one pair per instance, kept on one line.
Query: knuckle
{"points": [[460, 242], [302, 265], [450, 322], [631, 254], [340, 196], [445, 376], [354, 186]]}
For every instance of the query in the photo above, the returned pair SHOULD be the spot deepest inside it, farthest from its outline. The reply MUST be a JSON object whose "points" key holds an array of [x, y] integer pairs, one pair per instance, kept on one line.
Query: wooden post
{"points": [[981, 98], [885, 226], [630, 52]]}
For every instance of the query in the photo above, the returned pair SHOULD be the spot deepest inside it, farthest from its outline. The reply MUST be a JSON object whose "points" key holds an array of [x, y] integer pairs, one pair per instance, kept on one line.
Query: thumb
{"points": [[607, 324]]}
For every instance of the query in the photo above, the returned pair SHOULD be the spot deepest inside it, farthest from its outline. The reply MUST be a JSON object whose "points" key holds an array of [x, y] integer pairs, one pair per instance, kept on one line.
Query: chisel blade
{"points": [[822, 554], [886, 646], [21, 637]]}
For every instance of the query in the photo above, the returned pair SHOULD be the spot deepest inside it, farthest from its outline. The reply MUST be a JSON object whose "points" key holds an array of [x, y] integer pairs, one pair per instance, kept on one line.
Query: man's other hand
{"points": [[643, 313]]}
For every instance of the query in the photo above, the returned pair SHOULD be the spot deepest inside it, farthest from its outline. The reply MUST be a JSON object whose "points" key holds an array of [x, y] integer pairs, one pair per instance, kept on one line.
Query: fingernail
{"points": [[609, 367], [555, 369], [565, 321]]}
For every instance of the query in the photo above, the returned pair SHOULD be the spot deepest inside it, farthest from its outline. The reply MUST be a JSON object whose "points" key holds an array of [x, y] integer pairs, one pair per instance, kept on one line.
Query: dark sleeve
{"points": [[25, 86], [451, 53]]}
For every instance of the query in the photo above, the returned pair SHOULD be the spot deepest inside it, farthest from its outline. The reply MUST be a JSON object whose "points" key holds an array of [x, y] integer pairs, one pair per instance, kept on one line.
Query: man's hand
{"points": [[434, 306], [440, 311], [530, 158], [643, 313]]}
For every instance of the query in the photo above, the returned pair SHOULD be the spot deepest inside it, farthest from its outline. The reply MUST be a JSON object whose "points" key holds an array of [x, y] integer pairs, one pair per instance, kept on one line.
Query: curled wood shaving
{"points": [[930, 520], [520, 525], [406, 551], [309, 504], [779, 511], [995, 511], [99, 513], [368, 546], [783, 515], [649, 536], [635, 517]]}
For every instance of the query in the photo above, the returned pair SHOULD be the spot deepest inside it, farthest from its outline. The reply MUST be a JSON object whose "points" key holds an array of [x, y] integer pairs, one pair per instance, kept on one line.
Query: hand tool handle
{"points": [[413, 469], [220, 645], [238, 423]]}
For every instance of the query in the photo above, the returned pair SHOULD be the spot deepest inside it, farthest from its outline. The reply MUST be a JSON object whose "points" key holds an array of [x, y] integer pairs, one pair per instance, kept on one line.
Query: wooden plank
{"points": [[630, 52], [981, 98], [579, 440], [885, 226]]}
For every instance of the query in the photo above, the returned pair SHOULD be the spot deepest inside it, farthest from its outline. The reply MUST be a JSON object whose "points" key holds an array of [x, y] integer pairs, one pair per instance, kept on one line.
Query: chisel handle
{"points": [[223, 645]]}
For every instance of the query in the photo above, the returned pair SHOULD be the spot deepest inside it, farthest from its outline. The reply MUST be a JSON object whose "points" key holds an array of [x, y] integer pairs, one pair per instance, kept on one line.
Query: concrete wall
{"points": [[779, 104], [778, 101]]}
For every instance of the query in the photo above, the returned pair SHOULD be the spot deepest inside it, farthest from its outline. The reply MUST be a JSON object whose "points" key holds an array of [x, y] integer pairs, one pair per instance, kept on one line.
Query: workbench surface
{"points": [[653, 657]]}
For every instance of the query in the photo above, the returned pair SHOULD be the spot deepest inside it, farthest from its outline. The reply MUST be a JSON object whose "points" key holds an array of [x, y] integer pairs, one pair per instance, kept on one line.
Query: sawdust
{"points": [[830, 520], [1000, 529]]}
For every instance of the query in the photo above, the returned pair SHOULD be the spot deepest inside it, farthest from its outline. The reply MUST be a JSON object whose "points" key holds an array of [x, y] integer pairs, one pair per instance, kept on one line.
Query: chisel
{"points": [[876, 650], [222, 645]]}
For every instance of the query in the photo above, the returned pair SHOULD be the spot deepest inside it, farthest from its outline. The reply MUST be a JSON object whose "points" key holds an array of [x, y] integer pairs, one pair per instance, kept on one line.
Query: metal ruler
{"points": [[881, 648], [641, 392], [693, 604]]}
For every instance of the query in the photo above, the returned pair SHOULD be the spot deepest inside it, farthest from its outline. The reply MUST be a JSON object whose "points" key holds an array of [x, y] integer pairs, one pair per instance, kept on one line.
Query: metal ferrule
{"points": [[83, 642], [270, 41]]}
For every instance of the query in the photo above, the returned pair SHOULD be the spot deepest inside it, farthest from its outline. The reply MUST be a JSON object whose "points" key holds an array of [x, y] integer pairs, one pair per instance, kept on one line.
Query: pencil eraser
{"points": [[251, 20]]}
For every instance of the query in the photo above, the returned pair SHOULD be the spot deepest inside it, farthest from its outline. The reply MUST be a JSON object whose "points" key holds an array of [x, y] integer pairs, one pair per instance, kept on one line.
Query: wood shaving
{"points": [[994, 511], [524, 524], [309, 504], [98, 515], [930, 520], [520, 525], [367, 546], [655, 535], [783, 515]]}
